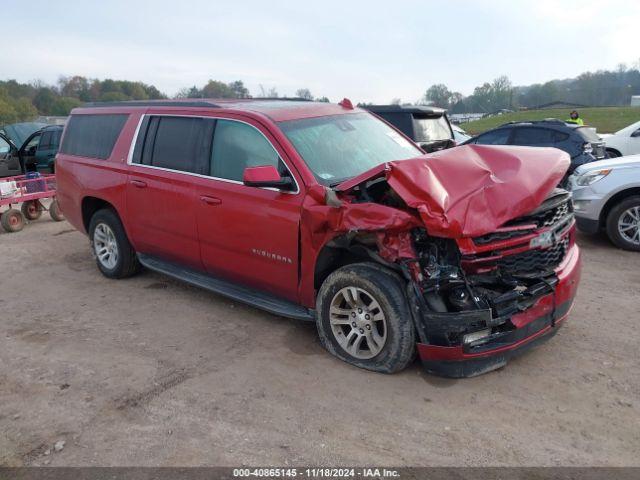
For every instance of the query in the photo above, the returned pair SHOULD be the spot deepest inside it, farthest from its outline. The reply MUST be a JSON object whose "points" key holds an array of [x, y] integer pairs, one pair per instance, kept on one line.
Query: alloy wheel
{"points": [[105, 246], [358, 322], [629, 225]]}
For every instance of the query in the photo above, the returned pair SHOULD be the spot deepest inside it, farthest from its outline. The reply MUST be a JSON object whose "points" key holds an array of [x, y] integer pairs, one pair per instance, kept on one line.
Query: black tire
{"points": [[54, 212], [127, 263], [614, 217], [613, 153], [32, 210], [12, 220], [386, 288]]}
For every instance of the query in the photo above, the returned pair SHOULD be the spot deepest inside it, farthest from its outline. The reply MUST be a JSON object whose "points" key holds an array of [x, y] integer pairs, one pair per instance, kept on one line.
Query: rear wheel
{"points": [[623, 224], [54, 211], [363, 318], [114, 255], [12, 220], [32, 209]]}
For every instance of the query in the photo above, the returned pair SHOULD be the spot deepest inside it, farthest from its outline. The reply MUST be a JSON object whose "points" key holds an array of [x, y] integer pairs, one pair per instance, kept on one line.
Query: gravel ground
{"points": [[149, 371]]}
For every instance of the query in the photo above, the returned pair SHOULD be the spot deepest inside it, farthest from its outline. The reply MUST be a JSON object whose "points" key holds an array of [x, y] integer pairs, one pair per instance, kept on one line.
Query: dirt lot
{"points": [[148, 371]]}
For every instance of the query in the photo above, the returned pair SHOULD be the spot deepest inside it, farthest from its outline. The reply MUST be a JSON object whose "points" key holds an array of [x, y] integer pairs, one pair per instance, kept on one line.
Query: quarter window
{"points": [[92, 136], [237, 146]]}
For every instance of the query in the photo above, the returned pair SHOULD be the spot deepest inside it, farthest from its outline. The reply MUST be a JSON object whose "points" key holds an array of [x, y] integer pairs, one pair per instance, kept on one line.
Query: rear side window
{"points": [[533, 136], [45, 141], [496, 137], [237, 146], [174, 143], [92, 136], [178, 141]]}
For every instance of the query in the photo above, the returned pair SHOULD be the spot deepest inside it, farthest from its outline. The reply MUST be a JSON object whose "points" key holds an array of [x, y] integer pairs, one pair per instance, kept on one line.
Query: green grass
{"points": [[605, 119]]}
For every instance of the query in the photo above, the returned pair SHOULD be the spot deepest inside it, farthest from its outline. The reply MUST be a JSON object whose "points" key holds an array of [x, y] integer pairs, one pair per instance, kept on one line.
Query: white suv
{"points": [[606, 196], [623, 142]]}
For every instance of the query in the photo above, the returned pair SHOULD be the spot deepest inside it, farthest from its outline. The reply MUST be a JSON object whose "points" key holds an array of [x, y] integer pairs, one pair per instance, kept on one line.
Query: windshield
{"points": [[339, 147], [431, 129]]}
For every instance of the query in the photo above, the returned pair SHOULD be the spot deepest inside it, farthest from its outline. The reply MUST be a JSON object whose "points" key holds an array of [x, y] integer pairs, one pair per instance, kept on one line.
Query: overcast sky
{"points": [[364, 50]]}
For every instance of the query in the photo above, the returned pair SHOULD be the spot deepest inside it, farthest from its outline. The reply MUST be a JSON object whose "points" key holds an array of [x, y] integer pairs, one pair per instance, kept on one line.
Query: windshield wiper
{"points": [[338, 182]]}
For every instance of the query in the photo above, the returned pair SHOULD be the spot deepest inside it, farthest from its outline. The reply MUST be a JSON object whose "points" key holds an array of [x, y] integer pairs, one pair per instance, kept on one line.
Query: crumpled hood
{"points": [[472, 190]]}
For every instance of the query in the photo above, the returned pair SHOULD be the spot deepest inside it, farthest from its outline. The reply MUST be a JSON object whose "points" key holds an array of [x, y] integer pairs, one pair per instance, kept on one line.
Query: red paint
{"points": [[346, 103], [242, 233], [266, 173], [473, 189]]}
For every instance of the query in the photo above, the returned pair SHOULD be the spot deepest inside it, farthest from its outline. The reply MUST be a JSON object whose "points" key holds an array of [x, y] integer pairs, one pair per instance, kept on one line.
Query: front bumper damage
{"points": [[532, 326]]}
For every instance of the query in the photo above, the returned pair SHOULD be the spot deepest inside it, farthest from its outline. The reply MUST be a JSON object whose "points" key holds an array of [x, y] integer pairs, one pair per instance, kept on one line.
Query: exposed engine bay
{"points": [[466, 290]]}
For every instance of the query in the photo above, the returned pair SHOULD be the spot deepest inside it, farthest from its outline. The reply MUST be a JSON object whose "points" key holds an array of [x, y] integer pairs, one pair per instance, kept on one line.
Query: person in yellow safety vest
{"points": [[575, 118]]}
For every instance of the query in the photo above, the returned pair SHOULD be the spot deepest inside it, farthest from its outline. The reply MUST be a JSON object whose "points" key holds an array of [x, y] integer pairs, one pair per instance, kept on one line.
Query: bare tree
{"points": [[304, 93]]}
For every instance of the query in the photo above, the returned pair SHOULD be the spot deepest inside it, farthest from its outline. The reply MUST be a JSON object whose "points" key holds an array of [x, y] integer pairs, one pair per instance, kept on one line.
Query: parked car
{"points": [[39, 149], [36, 153], [325, 213], [427, 126], [607, 198], [10, 165], [459, 135], [580, 142], [623, 142], [19, 132]]}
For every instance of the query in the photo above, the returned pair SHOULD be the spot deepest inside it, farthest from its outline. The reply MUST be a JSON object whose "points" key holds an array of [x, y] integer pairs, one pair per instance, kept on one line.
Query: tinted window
{"points": [[559, 137], [495, 137], [237, 146], [178, 143], [533, 136], [55, 137], [45, 141], [92, 135]]}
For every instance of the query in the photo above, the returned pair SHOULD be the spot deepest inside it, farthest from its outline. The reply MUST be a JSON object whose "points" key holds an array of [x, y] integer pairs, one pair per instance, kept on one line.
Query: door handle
{"points": [[210, 200], [138, 183]]}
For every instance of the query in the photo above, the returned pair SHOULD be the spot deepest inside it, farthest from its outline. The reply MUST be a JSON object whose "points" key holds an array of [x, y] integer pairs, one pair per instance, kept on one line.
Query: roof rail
{"points": [[533, 122], [152, 103]]}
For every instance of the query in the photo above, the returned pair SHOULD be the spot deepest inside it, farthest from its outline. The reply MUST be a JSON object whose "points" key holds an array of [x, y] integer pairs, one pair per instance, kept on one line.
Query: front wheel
{"points": [[613, 153], [114, 255], [623, 224], [363, 318]]}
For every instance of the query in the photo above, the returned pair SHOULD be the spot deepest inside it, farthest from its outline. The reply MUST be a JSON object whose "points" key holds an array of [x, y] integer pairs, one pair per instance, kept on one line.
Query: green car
{"points": [[39, 150], [39, 145]]}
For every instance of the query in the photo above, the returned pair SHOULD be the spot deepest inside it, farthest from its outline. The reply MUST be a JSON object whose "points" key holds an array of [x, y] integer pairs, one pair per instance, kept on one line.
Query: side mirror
{"points": [[266, 176]]}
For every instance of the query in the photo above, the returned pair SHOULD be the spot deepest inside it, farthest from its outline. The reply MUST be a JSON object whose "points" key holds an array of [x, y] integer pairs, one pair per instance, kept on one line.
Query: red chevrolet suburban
{"points": [[326, 213]]}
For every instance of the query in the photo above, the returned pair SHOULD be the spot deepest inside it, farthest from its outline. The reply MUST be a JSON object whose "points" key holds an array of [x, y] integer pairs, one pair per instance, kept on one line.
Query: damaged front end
{"points": [[479, 300], [487, 249]]}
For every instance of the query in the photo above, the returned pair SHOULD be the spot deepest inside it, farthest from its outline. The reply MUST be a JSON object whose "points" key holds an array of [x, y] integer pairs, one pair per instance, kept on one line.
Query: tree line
{"points": [[600, 88], [25, 101]]}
